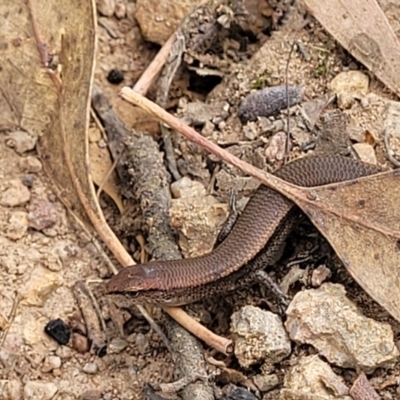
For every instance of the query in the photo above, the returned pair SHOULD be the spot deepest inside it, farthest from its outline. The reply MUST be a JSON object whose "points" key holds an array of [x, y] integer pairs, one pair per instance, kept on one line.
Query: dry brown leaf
{"points": [[45, 88], [100, 167], [362, 28], [360, 219]]}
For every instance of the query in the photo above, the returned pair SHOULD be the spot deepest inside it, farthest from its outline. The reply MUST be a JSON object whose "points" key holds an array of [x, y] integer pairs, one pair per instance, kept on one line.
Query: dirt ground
{"points": [[43, 252]]}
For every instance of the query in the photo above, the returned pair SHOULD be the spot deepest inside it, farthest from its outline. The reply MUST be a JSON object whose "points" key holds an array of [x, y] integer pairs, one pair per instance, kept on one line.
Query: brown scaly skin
{"points": [[262, 228]]}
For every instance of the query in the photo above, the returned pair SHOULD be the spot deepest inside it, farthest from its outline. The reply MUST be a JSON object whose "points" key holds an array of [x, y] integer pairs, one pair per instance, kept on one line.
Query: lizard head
{"points": [[134, 278]]}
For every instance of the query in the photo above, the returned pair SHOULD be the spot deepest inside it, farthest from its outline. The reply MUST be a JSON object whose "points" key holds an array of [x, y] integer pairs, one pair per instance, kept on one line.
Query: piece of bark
{"points": [[144, 163], [151, 188]]}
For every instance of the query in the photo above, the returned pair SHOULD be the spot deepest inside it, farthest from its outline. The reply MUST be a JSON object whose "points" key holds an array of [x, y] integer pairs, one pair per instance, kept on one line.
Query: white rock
{"points": [[40, 285], [349, 85], [50, 363], [259, 337], [366, 152], [17, 225], [328, 320], [313, 378], [15, 194], [90, 368], [35, 390]]}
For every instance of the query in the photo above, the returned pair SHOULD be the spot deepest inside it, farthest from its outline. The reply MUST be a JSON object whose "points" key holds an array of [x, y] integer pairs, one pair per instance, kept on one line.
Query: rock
{"points": [[34, 390], [120, 9], [30, 164], [90, 368], [366, 152], [17, 225], [259, 337], [15, 194], [106, 7], [198, 113], [80, 343], [42, 214], [117, 345], [266, 382], [356, 133], [311, 110], [276, 149], [158, 20], [21, 141], [40, 285], [250, 131], [142, 343], [320, 275], [50, 363], [10, 389], [349, 85], [392, 125], [312, 375], [328, 320], [64, 352], [92, 394], [196, 215]]}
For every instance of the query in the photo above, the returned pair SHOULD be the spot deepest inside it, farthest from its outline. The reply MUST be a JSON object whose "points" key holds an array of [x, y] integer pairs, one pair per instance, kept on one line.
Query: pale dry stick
{"points": [[154, 68], [219, 343], [290, 191], [10, 319]]}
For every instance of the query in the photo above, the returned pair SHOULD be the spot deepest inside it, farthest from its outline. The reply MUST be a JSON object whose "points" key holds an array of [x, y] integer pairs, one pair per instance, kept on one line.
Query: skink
{"points": [[262, 227]]}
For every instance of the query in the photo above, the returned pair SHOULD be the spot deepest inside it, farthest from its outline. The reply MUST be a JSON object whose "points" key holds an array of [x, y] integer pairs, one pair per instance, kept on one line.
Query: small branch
{"points": [[154, 68], [269, 180], [221, 344]]}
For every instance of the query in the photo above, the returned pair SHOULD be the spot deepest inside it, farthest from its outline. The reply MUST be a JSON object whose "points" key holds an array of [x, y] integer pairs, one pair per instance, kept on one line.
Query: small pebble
{"points": [[17, 225], [50, 363], [90, 368], [115, 76], [80, 343], [64, 352], [21, 141], [266, 382], [142, 343], [92, 394], [30, 164], [117, 345], [34, 390], [58, 330], [106, 7], [120, 9], [16, 194], [42, 214]]}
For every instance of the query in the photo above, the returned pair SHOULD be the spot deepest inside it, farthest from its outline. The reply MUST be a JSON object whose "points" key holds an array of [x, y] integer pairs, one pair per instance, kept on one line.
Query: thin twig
{"points": [[287, 144], [109, 172], [289, 190], [154, 68], [10, 319], [155, 327], [223, 345]]}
